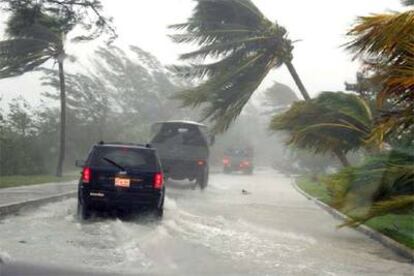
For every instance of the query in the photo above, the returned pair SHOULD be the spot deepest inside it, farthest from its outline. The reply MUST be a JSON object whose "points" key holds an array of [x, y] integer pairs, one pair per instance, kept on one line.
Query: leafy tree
{"points": [[139, 86], [86, 14], [278, 97], [87, 98], [243, 46], [19, 141], [334, 122], [20, 117], [36, 33]]}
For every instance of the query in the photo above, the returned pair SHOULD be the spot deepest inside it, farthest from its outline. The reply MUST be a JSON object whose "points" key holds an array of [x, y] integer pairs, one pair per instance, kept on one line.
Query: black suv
{"points": [[121, 177]]}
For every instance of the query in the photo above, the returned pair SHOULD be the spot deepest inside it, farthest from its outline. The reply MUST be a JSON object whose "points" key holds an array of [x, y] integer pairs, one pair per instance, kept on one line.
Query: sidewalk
{"points": [[13, 199]]}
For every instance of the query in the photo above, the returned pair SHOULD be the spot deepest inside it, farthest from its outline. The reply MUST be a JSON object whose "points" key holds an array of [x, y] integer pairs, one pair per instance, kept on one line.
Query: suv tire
{"points": [[159, 211], [83, 211], [202, 179]]}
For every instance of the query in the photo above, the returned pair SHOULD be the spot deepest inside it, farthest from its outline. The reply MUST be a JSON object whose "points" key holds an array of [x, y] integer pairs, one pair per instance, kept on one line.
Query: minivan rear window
{"points": [[128, 158]]}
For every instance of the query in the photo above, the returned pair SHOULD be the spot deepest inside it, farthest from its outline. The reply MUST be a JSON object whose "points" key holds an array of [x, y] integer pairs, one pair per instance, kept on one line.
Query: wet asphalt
{"points": [[270, 229]]}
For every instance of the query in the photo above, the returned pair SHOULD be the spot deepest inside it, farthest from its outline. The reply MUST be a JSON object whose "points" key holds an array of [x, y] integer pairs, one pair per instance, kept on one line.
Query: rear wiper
{"points": [[114, 163]]}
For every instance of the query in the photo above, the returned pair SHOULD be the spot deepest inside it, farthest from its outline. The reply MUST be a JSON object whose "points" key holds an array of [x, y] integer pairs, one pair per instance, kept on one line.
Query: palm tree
{"points": [[334, 122], [243, 46], [382, 185], [33, 39], [385, 42]]}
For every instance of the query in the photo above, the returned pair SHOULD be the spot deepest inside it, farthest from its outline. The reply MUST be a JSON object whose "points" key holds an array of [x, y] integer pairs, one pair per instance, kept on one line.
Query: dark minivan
{"points": [[120, 177]]}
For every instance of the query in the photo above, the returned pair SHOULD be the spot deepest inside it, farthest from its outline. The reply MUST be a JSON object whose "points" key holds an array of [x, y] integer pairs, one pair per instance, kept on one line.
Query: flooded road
{"points": [[270, 229]]}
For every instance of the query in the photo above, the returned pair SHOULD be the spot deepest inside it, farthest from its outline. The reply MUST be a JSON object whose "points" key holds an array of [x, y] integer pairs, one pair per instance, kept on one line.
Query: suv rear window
{"points": [[129, 158], [181, 135]]}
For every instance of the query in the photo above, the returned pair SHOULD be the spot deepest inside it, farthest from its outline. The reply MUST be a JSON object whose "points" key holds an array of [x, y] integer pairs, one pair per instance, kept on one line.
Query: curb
{"points": [[389, 243], [13, 208]]}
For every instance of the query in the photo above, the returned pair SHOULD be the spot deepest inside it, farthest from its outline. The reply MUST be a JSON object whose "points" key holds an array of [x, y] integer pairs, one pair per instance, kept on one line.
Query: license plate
{"points": [[122, 182]]}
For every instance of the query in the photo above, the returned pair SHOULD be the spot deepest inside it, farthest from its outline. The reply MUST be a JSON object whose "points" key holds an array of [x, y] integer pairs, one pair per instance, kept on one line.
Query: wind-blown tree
{"points": [[385, 43], [140, 85], [278, 98], [36, 34], [35, 38], [87, 99], [382, 185], [334, 122], [243, 47], [87, 14], [20, 151]]}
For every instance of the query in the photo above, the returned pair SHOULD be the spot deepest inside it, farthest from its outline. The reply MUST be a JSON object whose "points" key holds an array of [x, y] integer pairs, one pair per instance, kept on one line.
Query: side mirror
{"points": [[80, 163]]}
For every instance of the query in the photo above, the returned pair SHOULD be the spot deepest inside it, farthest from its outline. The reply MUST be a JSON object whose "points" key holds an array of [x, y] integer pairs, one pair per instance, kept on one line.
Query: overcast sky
{"points": [[320, 25]]}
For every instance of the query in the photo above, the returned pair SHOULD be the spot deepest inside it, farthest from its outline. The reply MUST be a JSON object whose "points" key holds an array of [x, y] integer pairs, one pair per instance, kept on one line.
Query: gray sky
{"points": [[319, 24]]}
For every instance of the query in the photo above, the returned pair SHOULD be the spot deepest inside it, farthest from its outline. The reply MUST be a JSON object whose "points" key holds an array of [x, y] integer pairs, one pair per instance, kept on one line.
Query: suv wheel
{"points": [[159, 211], [84, 211], [202, 179]]}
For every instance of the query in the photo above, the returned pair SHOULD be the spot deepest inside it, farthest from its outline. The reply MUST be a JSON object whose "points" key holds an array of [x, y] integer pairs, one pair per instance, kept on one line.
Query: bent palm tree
{"points": [[243, 46], [33, 40], [334, 122]]}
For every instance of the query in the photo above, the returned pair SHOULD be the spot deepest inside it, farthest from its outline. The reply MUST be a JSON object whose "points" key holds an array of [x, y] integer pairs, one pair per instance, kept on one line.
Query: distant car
{"points": [[121, 177], [183, 147], [238, 160]]}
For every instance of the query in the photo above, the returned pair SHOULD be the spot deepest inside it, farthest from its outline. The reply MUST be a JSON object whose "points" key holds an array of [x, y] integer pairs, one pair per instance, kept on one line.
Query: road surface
{"points": [[270, 230]]}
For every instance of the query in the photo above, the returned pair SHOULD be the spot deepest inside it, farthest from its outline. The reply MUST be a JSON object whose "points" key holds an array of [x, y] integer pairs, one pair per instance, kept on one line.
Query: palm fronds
{"points": [[399, 204], [385, 42], [30, 44], [242, 46], [383, 184], [332, 122]]}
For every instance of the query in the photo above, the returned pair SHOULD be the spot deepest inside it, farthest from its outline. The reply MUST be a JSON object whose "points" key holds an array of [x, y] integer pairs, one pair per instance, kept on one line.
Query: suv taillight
{"points": [[226, 160], [86, 175], [158, 180]]}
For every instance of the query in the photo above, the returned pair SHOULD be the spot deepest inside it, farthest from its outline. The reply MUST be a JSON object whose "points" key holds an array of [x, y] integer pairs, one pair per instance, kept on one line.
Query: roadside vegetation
{"points": [[20, 180], [399, 227]]}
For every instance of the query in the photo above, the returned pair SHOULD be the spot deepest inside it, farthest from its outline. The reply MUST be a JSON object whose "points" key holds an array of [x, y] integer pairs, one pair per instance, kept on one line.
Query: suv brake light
{"points": [[158, 180], [86, 175]]}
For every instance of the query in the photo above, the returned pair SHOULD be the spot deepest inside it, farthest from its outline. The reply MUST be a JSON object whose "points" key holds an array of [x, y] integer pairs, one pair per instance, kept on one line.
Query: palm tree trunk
{"points": [[342, 158], [339, 154], [62, 120], [297, 80]]}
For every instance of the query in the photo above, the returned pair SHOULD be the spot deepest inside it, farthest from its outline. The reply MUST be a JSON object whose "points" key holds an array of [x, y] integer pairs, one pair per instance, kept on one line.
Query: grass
{"points": [[23, 180], [314, 188], [398, 227]]}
